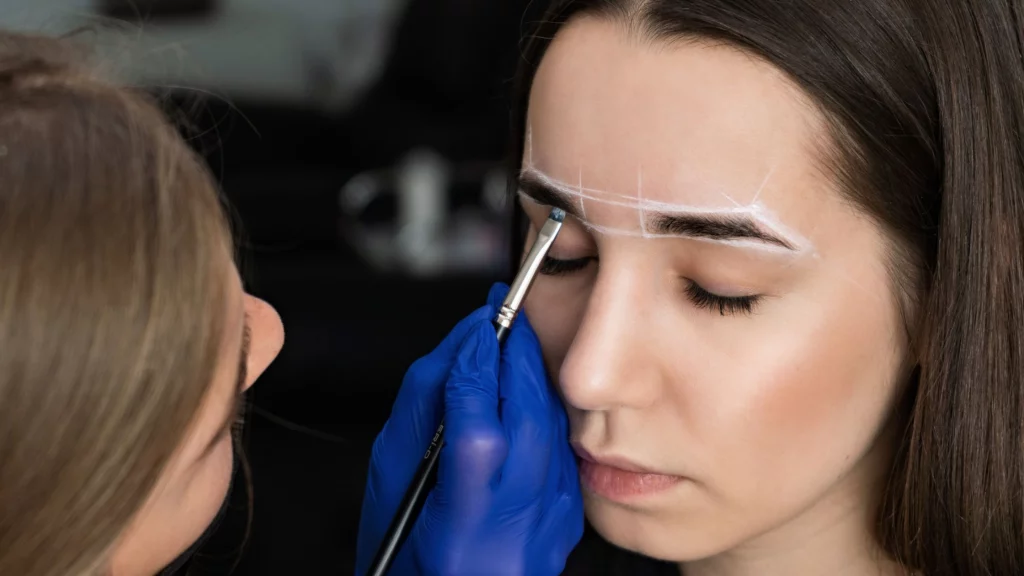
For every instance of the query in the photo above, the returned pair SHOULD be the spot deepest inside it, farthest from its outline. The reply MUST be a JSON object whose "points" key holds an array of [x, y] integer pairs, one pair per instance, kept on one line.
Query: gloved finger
{"points": [[562, 528], [569, 486], [568, 474], [528, 415], [562, 452], [568, 481], [419, 407], [429, 373], [475, 444], [497, 295], [560, 449]]}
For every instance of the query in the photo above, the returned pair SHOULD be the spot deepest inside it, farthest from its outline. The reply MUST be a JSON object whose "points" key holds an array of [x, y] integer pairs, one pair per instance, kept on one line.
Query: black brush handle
{"points": [[415, 495]]}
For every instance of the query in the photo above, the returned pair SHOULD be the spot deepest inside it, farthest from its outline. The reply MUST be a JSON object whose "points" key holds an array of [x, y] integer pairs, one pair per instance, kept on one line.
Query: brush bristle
{"points": [[557, 214]]}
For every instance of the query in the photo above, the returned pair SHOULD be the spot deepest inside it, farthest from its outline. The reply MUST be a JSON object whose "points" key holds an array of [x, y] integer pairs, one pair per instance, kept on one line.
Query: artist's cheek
{"points": [[180, 509]]}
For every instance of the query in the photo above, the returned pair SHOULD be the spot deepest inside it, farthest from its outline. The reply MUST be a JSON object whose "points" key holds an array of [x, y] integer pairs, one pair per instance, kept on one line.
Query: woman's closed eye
{"points": [[724, 305], [698, 295], [557, 267]]}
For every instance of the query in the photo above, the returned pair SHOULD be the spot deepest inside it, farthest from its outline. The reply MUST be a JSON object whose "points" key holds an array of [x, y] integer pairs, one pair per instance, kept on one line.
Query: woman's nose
{"points": [[611, 363]]}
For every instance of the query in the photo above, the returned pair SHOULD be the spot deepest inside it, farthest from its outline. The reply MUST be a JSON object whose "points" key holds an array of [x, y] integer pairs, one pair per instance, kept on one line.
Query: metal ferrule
{"points": [[505, 317], [521, 285]]}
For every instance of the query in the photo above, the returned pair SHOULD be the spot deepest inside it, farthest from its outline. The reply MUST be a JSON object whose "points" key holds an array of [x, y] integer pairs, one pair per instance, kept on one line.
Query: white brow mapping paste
{"points": [[755, 210]]}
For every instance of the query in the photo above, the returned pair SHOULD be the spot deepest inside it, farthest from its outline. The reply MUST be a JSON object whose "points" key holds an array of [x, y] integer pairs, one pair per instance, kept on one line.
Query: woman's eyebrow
{"points": [[541, 191], [658, 220], [713, 227]]}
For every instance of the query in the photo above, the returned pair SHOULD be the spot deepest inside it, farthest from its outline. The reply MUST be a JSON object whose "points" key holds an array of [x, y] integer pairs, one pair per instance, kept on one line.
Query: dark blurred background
{"points": [[361, 144]]}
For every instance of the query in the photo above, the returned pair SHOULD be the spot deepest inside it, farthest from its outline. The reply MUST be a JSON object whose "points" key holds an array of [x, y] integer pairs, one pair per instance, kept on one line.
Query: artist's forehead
{"points": [[697, 125]]}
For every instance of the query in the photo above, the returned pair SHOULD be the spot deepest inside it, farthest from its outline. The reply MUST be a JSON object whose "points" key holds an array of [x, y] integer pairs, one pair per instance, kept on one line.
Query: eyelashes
{"points": [[700, 297], [724, 305], [555, 267]]}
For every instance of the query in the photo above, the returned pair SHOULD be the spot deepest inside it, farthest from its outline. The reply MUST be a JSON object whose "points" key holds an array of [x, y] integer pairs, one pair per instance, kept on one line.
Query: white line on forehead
{"points": [[583, 208], [755, 211], [640, 197]]}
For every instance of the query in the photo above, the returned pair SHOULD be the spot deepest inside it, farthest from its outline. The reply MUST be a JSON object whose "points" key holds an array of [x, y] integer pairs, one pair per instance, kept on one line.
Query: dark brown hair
{"points": [[114, 260], [925, 104]]}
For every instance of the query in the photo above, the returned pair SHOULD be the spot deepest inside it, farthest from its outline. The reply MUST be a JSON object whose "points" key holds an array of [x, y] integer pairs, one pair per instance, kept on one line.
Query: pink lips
{"points": [[618, 479]]}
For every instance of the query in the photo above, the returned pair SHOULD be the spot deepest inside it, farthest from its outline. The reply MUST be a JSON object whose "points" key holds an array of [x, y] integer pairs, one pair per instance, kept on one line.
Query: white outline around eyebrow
{"points": [[755, 211], [640, 200], [583, 208]]}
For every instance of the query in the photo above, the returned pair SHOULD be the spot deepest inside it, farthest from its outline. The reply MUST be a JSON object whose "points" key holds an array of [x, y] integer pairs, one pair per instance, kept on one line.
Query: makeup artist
{"points": [[127, 341]]}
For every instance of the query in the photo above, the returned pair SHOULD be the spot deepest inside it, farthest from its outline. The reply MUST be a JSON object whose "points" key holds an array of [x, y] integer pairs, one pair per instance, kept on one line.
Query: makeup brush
{"points": [[415, 495]]}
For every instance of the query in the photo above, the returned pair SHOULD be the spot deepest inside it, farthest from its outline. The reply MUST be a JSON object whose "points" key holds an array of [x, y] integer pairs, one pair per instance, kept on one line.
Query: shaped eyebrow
{"points": [[719, 225]]}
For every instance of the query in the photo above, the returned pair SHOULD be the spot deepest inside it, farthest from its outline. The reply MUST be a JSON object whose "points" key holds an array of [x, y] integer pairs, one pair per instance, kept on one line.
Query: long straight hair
{"points": [[925, 107], [114, 261]]}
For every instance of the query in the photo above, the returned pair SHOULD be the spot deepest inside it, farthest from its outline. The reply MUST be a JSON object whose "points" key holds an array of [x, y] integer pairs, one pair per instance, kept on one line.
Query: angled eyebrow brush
{"points": [[416, 494]]}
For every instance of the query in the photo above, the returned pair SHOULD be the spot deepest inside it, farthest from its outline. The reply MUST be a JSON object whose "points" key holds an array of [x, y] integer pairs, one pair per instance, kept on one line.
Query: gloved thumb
{"points": [[475, 443], [419, 407], [497, 294]]}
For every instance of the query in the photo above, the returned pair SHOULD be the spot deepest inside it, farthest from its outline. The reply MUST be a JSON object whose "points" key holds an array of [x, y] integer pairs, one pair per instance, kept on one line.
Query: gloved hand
{"points": [[507, 499]]}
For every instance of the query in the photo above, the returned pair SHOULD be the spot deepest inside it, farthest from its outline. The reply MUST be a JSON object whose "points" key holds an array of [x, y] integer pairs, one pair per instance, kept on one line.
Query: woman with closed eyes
{"points": [[784, 313]]}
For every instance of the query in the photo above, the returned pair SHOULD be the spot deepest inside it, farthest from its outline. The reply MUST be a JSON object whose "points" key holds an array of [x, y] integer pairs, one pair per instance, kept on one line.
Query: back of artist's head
{"points": [[886, 136], [122, 324]]}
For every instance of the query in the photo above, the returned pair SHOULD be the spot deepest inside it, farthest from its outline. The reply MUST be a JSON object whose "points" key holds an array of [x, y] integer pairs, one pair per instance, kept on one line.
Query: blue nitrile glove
{"points": [[507, 501], [402, 442]]}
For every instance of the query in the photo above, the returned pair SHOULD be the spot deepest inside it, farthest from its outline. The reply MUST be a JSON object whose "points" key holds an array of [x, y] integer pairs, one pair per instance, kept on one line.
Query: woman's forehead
{"points": [[684, 127], [688, 114]]}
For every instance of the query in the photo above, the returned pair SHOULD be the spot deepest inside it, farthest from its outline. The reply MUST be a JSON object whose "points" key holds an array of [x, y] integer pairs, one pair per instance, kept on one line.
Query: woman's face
{"points": [[719, 321], [195, 484]]}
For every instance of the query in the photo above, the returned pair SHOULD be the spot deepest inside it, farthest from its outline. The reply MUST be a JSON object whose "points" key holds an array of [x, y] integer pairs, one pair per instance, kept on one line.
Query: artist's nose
{"points": [[610, 363]]}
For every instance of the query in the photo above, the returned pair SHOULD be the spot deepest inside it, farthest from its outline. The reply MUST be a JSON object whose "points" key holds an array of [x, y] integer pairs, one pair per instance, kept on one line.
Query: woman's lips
{"points": [[617, 479]]}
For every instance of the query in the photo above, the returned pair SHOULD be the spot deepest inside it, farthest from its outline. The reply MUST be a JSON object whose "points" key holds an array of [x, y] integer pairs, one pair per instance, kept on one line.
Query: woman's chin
{"points": [[650, 533]]}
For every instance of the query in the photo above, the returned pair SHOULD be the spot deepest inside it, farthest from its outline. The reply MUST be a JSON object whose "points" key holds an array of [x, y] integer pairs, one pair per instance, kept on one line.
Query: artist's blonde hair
{"points": [[114, 255]]}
